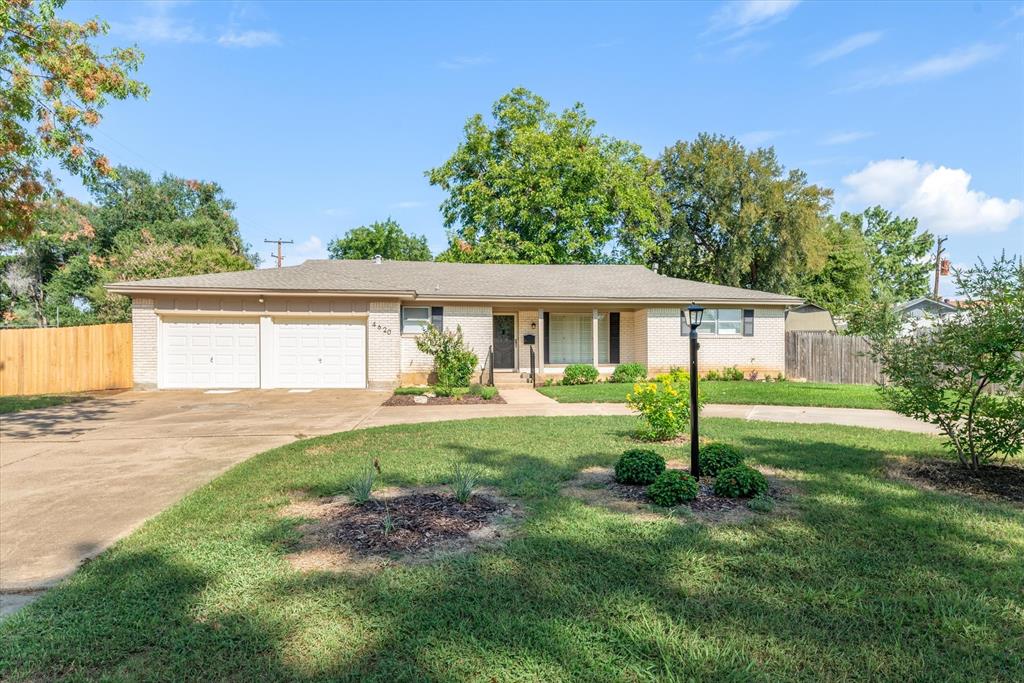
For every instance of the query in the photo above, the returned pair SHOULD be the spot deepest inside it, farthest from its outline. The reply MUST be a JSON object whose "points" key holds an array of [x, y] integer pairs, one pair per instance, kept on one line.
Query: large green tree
{"points": [[384, 238], [541, 187], [139, 228], [899, 255], [737, 217], [843, 281], [53, 85]]}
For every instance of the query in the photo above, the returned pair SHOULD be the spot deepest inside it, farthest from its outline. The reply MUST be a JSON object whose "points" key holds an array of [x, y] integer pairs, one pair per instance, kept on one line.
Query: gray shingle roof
{"points": [[432, 280]]}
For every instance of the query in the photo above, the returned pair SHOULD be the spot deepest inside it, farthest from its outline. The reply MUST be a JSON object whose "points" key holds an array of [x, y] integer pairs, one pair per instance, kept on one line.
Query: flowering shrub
{"points": [[675, 375], [454, 363], [664, 407]]}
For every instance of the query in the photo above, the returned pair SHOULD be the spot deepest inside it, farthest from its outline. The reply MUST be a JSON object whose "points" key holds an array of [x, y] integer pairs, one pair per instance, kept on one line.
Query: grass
{"points": [[863, 579], [748, 393], [12, 404]]}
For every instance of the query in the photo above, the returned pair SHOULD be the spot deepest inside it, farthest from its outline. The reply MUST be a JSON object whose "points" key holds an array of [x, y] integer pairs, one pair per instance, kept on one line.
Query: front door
{"points": [[504, 342]]}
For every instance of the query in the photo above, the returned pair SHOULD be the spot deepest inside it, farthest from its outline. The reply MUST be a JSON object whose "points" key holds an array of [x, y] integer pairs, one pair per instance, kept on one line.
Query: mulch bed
{"points": [[419, 521], [410, 525], [706, 500], [1004, 482], [465, 399]]}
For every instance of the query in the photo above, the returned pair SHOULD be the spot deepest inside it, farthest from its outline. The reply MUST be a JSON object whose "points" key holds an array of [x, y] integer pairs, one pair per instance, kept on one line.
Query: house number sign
{"points": [[385, 330]]}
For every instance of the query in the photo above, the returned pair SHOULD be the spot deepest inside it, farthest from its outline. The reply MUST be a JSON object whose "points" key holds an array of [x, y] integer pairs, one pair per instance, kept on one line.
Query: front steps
{"points": [[512, 380]]}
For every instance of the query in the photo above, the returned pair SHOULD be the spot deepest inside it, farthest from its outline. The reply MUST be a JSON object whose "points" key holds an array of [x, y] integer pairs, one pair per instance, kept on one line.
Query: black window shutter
{"points": [[547, 337], [748, 322], [437, 317], [613, 337]]}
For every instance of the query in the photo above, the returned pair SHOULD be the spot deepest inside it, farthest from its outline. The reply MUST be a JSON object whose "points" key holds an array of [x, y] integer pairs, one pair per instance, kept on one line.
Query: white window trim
{"points": [[713, 328], [426, 319]]}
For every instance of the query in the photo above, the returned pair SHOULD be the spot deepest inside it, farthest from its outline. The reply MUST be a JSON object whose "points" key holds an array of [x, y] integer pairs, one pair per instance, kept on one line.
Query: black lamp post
{"points": [[694, 314]]}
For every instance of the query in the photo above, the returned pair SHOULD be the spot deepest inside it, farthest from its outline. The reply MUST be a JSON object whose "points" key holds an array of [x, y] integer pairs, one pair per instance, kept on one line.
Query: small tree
{"points": [[454, 363], [965, 373]]}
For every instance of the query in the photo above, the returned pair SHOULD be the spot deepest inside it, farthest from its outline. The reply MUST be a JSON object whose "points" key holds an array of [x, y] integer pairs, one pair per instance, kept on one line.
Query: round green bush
{"points": [[740, 482], [628, 373], [579, 373], [716, 457], [639, 466], [672, 488]]}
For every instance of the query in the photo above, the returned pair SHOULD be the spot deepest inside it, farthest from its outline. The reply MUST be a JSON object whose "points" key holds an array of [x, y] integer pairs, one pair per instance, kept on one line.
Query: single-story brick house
{"points": [[330, 323]]}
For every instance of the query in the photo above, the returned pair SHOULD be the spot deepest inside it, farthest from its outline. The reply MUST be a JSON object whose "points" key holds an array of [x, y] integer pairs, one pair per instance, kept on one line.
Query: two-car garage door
{"points": [[233, 353]]}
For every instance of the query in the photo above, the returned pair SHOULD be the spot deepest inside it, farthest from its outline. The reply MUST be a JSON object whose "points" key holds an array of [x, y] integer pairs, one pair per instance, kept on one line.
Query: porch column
{"points": [[539, 346], [593, 336]]}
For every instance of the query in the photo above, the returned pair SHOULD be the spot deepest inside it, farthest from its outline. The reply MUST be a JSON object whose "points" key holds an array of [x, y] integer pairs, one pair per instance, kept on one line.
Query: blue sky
{"points": [[319, 117]]}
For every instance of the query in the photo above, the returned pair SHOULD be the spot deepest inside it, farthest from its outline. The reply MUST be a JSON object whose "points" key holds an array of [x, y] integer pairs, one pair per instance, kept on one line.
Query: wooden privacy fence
{"points": [[56, 360], [827, 357]]}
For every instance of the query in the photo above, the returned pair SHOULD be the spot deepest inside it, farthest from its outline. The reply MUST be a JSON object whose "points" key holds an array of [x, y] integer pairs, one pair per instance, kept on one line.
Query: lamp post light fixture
{"points": [[694, 314]]}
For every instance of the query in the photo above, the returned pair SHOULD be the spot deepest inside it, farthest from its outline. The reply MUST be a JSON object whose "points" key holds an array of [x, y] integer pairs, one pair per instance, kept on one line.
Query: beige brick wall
{"points": [[144, 344], [475, 322], [527, 324], [764, 352], [627, 337], [640, 337], [383, 344]]}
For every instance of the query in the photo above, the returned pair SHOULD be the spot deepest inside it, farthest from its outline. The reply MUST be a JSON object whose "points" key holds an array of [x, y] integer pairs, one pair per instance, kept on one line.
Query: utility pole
{"points": [[280, 255], [939, 241]]}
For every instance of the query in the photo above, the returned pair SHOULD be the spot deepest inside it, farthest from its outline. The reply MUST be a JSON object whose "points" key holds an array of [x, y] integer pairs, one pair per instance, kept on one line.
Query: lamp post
{"points": [[694, 314]]}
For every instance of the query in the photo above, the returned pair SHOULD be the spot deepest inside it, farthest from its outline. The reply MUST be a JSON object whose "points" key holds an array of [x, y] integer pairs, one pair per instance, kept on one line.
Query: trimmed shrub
{"points": [[740, 482], [629, 372], [671, 488], [639, 466], [733, 374], [675, 376], [716, 457], [580, 373]]}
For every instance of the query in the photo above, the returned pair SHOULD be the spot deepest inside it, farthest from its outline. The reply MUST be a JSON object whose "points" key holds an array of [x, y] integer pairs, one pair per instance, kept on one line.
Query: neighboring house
{"points": [[809, 318], [354, 323], [924, 307]]}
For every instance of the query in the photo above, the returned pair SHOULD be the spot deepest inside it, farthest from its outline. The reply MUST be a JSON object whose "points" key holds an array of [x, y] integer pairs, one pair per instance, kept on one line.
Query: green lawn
{"points": [[12, 404], [865, 578], [756, 393]]}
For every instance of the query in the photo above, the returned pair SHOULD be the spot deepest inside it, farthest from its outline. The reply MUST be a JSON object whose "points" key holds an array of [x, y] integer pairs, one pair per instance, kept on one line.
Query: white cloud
{"points": [[939, 197], [159, 26], [847, 137], [741, 17], [463, 63], [311, 248], [947, 64], [234, 38], [845, 47]]}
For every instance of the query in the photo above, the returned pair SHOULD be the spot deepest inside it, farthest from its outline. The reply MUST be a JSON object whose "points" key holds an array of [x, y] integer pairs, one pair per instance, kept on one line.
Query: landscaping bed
{"points": [[1003, 482], [430, 400], [396, 523]]}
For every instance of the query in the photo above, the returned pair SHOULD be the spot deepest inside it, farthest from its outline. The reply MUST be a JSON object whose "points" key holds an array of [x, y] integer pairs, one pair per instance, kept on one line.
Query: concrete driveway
{"points": [[76, 478]]}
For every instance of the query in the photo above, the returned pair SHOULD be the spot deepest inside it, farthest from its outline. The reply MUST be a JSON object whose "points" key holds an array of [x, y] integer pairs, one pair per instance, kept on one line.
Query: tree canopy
{"points": [[53, 85], [385, 238], [736, 217], [138, 228], [899, 256], [541, 187], [843, 282]]}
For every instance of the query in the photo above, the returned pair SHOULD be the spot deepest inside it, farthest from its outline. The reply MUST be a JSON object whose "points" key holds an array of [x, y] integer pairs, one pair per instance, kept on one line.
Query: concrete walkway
{"points": [[527, 402], [75, 478]]}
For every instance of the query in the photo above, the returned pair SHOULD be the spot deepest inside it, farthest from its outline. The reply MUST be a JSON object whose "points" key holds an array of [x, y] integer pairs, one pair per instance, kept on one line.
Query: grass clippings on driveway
{"points": [[866, 578], [743, 393]]}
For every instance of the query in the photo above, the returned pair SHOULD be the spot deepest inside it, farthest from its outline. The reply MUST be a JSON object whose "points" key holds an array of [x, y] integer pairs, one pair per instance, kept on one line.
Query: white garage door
{"points": [[204, 354], [321, 354]]}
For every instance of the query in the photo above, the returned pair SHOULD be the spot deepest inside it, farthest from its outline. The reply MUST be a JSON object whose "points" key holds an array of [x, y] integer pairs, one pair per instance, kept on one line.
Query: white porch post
{"points": [[540, 342], [593, 337]]}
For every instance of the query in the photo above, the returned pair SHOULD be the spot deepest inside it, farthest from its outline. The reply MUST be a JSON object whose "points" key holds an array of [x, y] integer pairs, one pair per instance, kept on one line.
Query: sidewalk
{"points": [[527, 402]]}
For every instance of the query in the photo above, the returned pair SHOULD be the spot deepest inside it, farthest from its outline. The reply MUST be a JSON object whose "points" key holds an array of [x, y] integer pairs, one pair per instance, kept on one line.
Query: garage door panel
{"points": [[210, 354], [321, 354]]}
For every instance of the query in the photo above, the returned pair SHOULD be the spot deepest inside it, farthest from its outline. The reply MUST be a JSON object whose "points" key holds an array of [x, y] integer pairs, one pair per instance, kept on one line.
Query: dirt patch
{"points": [[1001, 482], [465, 399], [396, 525], [597, 486]]}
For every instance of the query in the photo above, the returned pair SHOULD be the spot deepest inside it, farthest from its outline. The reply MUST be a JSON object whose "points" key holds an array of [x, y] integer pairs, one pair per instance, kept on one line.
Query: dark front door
{"points": [[504, 342]]}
